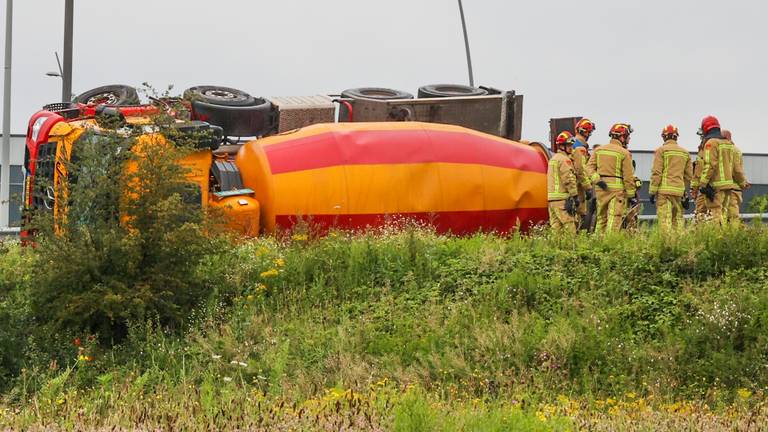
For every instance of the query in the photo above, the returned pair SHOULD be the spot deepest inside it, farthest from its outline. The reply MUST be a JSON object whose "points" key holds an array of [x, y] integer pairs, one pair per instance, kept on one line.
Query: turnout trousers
{"points": [[700, 212], [611, 205], [718, 207], [669, 210], [735, 199], [559, 219]]}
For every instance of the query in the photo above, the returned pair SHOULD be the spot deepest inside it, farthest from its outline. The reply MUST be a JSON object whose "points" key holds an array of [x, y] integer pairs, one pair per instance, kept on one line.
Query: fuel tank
{"points": [[358, 175]]}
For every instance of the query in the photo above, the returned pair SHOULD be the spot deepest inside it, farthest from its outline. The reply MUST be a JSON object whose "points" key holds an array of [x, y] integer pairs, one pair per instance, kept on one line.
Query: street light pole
{"points": [[5, 154], [66, 85], [466, 45]]}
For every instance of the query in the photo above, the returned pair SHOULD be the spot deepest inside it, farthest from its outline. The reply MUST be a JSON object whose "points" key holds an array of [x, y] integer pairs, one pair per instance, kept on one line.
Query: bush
{"points": [[130, 245], [759, 204], [15, 317]]}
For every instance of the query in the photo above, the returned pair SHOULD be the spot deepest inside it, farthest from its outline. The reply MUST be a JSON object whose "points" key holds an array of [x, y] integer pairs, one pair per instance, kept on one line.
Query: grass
{"points": [[408, 330]]}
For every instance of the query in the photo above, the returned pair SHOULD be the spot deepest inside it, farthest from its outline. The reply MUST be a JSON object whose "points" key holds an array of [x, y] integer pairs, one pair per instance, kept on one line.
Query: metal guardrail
{"points": [[744, 216], [9, 232]]}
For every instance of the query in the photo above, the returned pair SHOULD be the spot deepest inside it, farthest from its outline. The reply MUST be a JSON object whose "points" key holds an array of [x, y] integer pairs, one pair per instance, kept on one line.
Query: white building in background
{"points": [[17, 179]]}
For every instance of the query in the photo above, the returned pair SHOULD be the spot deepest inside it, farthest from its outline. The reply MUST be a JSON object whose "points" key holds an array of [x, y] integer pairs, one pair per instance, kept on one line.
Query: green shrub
{"points": [[130, 246], [15, 317], [759, 204]]}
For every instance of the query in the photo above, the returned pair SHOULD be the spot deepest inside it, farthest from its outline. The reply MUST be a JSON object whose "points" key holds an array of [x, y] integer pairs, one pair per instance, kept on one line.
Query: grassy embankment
{"points": [[412, 331]]}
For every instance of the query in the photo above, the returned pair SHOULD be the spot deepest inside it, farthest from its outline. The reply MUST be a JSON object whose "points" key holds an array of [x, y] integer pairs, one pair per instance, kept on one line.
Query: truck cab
{"points": [[57, 130]]}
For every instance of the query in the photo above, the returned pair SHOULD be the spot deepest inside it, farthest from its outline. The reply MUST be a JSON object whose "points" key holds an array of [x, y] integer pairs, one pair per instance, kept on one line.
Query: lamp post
{"points": [[66, 73], [5, 152], [466, 44], [60, 73]]}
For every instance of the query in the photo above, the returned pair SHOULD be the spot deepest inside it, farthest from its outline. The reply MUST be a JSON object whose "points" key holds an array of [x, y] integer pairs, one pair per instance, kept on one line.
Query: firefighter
{"points": [[562, 193], [580, 157], [716, 179], [610, 170], [670, 177], [700, 211], [739, 177]]}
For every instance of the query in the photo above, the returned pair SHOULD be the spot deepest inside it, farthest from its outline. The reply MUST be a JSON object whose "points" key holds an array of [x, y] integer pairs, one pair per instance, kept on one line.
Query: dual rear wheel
{"points": [[235, 111]]}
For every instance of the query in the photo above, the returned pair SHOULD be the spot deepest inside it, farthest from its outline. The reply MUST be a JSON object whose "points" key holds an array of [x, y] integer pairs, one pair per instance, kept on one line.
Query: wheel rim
{"points": [[223, 95], [106, 98]]}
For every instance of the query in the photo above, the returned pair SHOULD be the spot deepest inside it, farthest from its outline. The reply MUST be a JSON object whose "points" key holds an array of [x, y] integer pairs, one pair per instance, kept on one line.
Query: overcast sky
{"points": [[645, 62]]}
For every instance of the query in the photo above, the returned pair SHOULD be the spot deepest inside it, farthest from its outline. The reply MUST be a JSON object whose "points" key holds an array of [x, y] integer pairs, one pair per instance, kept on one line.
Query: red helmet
{"points": [[709, 123], [564, 138], [585, 127], [670, 132], [620, 130]]}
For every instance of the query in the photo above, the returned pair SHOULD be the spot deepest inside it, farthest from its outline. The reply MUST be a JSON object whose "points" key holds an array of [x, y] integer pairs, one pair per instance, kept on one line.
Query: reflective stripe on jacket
{"points": [[739, 177], [672, 170], [561, 178], [612, 163], [717, 168], [580, 158]]}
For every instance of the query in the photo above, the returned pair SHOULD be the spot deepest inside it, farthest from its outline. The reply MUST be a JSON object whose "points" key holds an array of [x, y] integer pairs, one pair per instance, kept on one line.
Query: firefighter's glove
{"points": [[588, 195], [652, 199], [571, 205], [686, 201], [633, 201], [602, 184], [708, 192]]}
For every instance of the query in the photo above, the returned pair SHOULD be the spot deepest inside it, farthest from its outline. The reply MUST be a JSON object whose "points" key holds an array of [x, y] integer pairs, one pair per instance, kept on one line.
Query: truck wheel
{"points": [[223, 96], [116, 95], [449, 90], [376, 93], [236, 112]]}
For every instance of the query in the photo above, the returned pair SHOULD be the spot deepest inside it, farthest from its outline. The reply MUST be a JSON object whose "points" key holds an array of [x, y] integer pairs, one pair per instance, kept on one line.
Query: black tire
{"points": [[449, 90], [223, 96], [237, 121], [113, 95], [376, 93]]}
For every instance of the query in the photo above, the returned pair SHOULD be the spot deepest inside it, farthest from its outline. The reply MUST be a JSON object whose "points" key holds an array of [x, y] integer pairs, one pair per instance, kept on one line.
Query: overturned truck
{"points": [[451, 158]]}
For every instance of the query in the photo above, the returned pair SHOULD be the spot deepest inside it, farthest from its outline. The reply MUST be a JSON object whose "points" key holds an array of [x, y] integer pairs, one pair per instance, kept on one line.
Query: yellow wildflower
{"points": [[300, 237], [260, 288], [743, 393], [269, 273], [250, 297], [279, 262]]}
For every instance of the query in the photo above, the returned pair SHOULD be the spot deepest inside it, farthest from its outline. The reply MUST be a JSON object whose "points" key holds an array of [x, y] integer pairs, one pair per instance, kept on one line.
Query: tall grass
{"points": [[408, 330]]}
